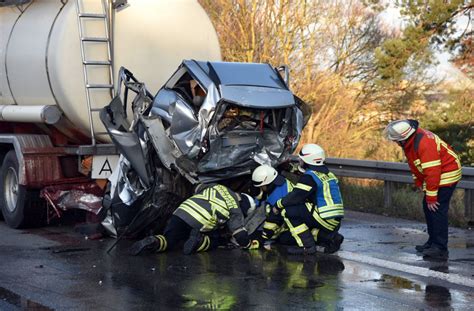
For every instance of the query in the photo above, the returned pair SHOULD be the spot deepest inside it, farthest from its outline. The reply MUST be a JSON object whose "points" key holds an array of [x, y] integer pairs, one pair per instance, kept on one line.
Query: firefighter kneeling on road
{"points": [[273, 186], [195, 220], [314, 203]]}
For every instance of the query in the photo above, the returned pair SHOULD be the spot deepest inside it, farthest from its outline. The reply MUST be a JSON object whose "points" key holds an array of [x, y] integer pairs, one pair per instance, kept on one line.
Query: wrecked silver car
{"points": [[223, 119], [210, 122], [214, 120]]}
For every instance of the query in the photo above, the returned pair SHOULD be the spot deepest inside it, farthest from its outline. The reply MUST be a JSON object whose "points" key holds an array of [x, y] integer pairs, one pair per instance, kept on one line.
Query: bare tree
{"points": [[329, 46]]}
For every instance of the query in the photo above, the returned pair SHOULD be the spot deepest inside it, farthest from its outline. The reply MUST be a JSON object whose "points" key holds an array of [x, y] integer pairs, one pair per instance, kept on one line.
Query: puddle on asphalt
{"points": [[308, 284], [395, 282], [219, 282], [25, 304], [434, 296], [400, 283], [217, 303]]}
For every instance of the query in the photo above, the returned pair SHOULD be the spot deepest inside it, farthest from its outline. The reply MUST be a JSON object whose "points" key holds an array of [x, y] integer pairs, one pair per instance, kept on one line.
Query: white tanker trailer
{"points": [[57, 65]]}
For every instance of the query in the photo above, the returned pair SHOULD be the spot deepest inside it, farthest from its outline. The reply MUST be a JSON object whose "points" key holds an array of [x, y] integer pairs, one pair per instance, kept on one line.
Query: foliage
{"points": [[452, 118], [329, 47], [429, 21], [464, 59], [367, 196], [355, 73]]}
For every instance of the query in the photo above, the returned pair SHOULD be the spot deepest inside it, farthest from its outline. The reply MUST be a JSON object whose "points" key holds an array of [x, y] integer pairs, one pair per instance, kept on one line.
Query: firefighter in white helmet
{"points": [[273, 186], [436, 170], [314, 203]]}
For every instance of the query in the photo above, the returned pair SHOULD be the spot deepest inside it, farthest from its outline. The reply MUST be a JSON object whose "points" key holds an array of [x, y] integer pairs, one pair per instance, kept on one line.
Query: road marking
{"points": [[421, 271]]}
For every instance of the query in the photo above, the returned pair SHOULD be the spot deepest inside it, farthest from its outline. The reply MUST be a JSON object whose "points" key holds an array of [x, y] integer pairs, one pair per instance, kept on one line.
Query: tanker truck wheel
{"points": [[19, 206]]}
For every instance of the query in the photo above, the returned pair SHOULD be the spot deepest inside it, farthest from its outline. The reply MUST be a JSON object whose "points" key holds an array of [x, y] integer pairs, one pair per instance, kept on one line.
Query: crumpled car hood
{"points": [[216, 120]]}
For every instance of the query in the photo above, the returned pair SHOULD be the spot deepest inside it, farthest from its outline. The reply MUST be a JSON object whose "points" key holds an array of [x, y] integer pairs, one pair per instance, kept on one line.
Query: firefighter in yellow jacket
{"points": [[196, 220]]}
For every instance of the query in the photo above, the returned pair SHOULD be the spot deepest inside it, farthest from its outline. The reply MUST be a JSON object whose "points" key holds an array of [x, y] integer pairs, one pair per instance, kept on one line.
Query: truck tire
{"points": [[20, 207]]}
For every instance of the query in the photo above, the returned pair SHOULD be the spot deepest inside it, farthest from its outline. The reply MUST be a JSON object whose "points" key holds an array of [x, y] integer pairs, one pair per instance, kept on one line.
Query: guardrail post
{"points": [[469, 205], [388, 187]]}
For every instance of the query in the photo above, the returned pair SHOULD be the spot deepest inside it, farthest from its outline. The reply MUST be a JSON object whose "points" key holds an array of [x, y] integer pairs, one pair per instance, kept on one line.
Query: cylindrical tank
{"points": [[40, 50]]}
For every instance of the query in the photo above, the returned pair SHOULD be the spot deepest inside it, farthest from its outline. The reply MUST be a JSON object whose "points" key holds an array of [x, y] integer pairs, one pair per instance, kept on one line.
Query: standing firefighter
{"points": [[314, 203], [436, 169], [196, 220]]}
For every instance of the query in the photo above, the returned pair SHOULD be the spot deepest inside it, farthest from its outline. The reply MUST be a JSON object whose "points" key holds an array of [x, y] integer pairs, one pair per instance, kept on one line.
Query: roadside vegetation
{"points": [[367, 196], [358, 70]]}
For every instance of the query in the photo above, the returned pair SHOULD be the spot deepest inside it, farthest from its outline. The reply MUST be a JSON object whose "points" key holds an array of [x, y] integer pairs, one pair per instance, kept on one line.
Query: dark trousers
{"points": [[177, 231], [285, 238], [437, 221], [297, 215]]}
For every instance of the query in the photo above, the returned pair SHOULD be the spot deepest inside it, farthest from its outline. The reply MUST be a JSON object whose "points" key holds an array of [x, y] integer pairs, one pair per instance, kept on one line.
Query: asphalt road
{"points": [[58, 268]]}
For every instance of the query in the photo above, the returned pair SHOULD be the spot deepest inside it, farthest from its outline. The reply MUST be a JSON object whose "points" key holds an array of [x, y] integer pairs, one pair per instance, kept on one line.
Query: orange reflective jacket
{"points": [[432, 161]]}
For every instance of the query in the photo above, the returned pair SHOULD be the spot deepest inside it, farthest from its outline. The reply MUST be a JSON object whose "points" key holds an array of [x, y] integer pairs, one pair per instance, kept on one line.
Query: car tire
{"points": [[20, 207]]}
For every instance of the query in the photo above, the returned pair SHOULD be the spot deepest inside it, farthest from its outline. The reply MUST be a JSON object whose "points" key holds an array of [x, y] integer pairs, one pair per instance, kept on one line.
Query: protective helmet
{"points": [[263, 175], [312, 154], [399, 130]]}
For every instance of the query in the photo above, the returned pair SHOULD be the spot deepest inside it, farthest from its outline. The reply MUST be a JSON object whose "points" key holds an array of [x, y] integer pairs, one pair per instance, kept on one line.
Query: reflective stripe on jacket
{"points": [[328, 197], [432, 162], [211, 208], [271, 228]]}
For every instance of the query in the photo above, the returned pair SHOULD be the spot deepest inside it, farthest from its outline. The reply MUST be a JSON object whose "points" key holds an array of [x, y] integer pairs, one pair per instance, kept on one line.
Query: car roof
{"points": [[239, 74]]}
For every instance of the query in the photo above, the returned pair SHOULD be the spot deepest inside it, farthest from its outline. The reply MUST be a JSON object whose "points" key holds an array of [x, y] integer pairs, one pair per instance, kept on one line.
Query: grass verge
{"points": [[367, 196]]}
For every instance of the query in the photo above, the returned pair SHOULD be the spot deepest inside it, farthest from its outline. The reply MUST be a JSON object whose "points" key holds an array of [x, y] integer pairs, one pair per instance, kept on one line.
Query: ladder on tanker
{"points": [[94, 88]]}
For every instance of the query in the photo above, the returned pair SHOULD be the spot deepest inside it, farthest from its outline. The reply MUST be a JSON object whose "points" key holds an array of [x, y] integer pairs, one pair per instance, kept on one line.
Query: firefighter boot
{"points": [[421, 248], [197, 242], [309, 246], [332, 241], [335, 244], [152, 243]]}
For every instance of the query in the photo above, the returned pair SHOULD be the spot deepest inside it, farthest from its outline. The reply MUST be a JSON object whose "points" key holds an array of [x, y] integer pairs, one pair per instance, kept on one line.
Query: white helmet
{"points": [[263, 175], [398, 130], [312, 154]]}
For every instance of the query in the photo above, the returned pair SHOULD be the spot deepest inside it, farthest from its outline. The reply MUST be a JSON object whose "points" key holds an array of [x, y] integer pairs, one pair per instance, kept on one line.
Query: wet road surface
{"points": [[57, 268]]}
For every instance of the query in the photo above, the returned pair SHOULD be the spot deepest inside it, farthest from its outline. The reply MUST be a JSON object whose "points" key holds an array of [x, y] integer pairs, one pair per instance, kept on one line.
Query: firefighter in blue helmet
{"points": [[314, 203], [195, 221]]}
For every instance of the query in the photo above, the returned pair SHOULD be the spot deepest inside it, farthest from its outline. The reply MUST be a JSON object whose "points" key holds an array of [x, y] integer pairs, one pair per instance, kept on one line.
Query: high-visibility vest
{"points": [[280, 192], [328, 199]]}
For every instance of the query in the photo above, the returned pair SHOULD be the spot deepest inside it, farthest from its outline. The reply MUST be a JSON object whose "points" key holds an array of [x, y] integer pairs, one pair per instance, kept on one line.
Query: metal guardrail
{"points": [[392, 172]]}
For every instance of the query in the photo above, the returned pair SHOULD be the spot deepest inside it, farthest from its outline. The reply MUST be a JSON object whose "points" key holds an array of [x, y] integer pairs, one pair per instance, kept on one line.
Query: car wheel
{"points": [[20, 207]]}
